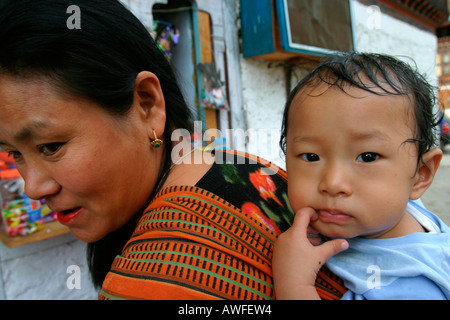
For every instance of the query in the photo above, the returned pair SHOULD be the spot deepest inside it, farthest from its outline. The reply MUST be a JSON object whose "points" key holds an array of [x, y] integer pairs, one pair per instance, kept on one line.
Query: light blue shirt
{"points": [[413, 267]]}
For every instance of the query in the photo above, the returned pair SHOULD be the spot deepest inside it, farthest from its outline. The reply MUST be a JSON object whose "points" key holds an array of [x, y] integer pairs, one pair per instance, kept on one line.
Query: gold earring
{"points": [[157, 142]]}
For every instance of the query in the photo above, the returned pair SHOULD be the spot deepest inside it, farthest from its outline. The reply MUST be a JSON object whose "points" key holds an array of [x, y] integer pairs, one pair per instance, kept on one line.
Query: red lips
{"points": [[68, 217]]}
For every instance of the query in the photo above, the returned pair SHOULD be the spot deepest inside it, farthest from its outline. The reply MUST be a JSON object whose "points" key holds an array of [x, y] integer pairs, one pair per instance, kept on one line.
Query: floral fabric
{"points": [[251, 187]]}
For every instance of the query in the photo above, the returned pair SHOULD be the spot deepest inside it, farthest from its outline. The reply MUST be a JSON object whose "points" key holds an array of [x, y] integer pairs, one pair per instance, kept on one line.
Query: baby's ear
{"points": [[425, 173]]}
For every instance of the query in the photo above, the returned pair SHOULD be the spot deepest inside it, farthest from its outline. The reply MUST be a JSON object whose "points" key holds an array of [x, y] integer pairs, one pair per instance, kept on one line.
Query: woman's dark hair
{"points": [[99, 61], [372, 72]]}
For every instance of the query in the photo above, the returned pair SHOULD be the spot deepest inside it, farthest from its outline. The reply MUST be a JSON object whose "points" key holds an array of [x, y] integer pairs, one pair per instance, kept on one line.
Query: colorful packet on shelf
{"points": [[21, 215]]}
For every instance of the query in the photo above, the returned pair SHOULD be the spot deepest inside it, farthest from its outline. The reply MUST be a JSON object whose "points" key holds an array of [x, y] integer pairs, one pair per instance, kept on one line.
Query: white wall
{"points": [[263, 89], [375, 31]]}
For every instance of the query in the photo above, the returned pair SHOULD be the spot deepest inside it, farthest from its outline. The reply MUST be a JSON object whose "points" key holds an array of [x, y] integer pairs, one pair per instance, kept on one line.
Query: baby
{"points": [[359, 137]]}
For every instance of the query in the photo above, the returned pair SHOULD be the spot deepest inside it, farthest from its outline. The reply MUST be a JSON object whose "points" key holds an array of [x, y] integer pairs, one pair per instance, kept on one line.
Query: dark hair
{"points": [[99, 61], [372, 72]]}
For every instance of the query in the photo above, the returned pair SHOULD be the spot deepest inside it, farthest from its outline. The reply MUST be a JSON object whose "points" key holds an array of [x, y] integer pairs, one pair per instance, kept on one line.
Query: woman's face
{"points": [[96, 170]]}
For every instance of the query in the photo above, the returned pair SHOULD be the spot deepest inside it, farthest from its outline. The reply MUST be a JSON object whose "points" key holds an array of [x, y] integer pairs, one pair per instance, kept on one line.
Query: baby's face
{"points": [[347, 158]]}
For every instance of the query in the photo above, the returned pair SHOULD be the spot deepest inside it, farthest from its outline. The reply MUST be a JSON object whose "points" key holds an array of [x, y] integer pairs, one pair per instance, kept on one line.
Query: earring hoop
{"points": [[157, 142]]}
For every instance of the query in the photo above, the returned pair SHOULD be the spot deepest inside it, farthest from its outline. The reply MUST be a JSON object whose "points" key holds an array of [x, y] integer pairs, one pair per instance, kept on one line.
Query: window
{"points": [[315, 27], [284, 29]]}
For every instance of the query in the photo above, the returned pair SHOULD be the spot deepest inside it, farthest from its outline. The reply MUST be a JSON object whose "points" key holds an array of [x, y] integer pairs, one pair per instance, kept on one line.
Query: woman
{"points": [[88, 115]]}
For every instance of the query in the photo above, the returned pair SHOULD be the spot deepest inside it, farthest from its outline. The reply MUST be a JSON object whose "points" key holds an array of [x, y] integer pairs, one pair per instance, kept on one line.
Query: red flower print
{"points": [[253, 210], [264, 184]]}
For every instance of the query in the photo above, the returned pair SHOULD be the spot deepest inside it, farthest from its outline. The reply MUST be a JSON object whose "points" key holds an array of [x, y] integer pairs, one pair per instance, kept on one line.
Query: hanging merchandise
{"points": [[213, 93], [166, 36]]}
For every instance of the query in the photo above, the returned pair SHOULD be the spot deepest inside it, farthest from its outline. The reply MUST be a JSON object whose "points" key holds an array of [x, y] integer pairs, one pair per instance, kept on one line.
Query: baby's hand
{"points": [[313, 234], [296, 261]]}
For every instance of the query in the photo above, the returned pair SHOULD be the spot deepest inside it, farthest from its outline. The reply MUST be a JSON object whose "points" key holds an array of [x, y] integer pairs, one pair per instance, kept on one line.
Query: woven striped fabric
{"points": [[191, 244]]}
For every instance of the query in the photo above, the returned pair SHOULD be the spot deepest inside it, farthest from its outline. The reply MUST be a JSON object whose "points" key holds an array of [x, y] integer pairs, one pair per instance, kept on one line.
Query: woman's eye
{"points": [[368, 157], [50, 149], [310, 157], [15, 155]]}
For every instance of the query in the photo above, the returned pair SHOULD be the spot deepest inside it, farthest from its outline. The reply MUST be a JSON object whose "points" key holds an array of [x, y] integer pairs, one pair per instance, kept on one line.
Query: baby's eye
{"points": [[50, 149], [310, 157], [368, 157]]}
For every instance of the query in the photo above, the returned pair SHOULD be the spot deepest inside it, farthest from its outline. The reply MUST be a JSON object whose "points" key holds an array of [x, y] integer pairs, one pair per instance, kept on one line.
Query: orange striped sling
{"points": [[191, 244]]}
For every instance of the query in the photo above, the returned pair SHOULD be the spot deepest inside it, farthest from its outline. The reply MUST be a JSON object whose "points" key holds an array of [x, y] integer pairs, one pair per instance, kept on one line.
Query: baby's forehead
{"points": [[318, 88]]}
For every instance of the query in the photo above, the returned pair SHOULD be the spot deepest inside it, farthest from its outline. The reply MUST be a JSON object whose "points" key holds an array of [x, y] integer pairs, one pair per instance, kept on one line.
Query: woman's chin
{"points": [[86, 236]]}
